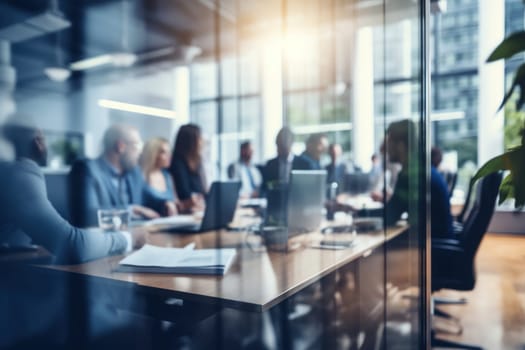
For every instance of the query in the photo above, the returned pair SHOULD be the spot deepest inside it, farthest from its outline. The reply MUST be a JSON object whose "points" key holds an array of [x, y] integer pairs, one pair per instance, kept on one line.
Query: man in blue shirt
{"points": [[113, 180], [28, 212]]}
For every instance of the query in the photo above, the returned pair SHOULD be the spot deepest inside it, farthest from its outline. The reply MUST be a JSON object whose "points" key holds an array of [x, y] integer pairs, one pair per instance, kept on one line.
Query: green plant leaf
{"points": [[506, 190], [511, 45], [517, 165], [513, 186], [501, 162], [519, 80]]}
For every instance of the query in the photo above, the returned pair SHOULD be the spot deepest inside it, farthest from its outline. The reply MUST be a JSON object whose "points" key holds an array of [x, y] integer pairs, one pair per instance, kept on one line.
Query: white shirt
{"points": [[242, 171]]}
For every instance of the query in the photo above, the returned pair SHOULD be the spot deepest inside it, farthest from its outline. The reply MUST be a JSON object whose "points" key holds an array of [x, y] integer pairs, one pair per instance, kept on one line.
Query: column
{"points": [[363, 99], [272, 96], [491, 80]]}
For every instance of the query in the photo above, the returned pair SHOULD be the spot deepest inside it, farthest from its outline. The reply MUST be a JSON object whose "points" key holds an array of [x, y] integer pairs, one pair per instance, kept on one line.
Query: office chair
{"points": [[453, 259], [467, 206], [450, 179], [58, 193], [453, 179]]}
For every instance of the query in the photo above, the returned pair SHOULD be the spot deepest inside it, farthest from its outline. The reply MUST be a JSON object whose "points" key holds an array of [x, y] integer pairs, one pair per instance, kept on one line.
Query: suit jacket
{"points": [[312, 163], [336, 173], [91, 189], [25, 207], [271, 169]]}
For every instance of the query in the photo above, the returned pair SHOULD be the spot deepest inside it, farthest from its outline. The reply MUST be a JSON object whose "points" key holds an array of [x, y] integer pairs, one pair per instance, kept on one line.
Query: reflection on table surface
{"points": [[362, 201], [257, 280]]}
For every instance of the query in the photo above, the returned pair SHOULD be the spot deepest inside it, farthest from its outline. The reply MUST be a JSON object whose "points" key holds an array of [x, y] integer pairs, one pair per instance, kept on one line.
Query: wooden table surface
{"points": [[256, 281]]}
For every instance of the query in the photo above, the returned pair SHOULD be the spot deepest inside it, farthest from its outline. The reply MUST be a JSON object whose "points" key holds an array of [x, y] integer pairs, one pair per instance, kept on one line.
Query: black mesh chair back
{"points": [[453, 260], [476, 223]]}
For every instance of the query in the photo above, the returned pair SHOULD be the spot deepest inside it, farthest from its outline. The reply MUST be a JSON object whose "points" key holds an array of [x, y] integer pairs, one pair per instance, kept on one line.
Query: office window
{"points": [[240, 107]]}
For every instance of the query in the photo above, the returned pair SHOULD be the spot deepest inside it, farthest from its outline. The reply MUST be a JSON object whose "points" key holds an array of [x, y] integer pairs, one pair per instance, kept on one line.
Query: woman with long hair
{"points": [[187, 169], [154, 162]]}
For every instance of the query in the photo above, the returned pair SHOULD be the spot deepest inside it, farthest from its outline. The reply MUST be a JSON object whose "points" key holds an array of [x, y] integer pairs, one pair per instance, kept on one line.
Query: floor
{"points": [[494, 316]]}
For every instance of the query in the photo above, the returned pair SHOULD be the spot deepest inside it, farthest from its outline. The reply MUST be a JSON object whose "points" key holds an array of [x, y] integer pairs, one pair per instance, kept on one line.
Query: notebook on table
{"points": [[154, 259]]}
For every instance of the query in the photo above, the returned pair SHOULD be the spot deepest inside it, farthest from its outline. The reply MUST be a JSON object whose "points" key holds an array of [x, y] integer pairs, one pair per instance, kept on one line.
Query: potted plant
{"points": [[513, 160]]}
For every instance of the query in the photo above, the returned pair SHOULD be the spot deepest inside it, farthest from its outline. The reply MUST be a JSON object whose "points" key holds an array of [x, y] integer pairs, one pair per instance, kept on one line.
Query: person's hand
{"points": [[184, 206], [376, 196], [171, 208], [145, 212], [198, 201], [138, 237], [335, 205]]}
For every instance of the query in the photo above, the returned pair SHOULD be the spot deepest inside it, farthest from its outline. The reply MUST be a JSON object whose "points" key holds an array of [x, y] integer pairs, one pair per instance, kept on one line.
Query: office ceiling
{"points": [[98, 27]]}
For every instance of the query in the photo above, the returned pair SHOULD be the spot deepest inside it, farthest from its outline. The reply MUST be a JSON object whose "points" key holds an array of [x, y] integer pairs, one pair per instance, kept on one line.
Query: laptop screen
{"points": [[307, 191], [221, 202]]}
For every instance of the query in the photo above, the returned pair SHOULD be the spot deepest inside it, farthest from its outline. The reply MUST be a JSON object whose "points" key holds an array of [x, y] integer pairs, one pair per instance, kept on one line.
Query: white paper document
{"points": [[363, 202], [178, 260], [172, 221]]}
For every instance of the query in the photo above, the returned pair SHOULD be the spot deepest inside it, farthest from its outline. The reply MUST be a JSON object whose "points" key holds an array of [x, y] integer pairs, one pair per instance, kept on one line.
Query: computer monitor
{"points": [[306, 197]]}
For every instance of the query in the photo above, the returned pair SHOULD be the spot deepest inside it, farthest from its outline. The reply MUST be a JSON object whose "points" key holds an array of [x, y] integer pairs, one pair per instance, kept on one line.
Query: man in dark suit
{"points": [[277, 170], [113, 180], [336, 170]]}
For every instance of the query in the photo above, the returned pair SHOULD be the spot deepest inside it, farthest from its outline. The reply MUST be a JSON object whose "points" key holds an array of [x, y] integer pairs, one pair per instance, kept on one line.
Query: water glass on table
{"points": [[113, 219]]}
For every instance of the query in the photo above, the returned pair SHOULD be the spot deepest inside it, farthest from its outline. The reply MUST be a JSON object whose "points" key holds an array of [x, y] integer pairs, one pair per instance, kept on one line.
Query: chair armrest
{"points": [[446, 259], [451, 267], [445, 242]]}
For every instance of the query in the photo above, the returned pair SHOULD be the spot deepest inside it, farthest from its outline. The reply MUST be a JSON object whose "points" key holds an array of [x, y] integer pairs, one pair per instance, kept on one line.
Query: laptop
{"points": [[306, 197], [221, 203]]}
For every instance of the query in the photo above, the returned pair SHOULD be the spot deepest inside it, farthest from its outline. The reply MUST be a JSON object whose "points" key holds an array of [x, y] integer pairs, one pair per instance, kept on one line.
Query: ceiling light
{"points": [[123, 59], [58, 74], [133, 108], [92, 62]]}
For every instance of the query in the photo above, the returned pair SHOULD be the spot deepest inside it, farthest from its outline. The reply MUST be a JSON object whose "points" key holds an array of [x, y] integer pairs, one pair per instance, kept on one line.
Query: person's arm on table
{"points": [[31, 211]]}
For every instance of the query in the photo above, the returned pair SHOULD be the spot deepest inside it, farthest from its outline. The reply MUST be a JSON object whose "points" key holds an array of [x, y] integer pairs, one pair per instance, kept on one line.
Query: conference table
{"points": [[257, 280]]}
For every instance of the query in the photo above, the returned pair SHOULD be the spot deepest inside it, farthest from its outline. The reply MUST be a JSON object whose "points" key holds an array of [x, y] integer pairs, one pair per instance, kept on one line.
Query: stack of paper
{"points": [[172, 221], [178, 260]]}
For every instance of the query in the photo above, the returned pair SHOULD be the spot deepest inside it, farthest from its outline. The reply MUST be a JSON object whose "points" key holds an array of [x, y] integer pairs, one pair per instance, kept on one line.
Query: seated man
{"points": [[316, 145], [336, 170], [24, 293], [245, 171], [277, 170], [113, 180], [26, 209], [398, 137]]}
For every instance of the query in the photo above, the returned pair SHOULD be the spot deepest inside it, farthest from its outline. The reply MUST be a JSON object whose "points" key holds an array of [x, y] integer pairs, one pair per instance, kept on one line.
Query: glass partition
{"points": [[289, 134]]}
